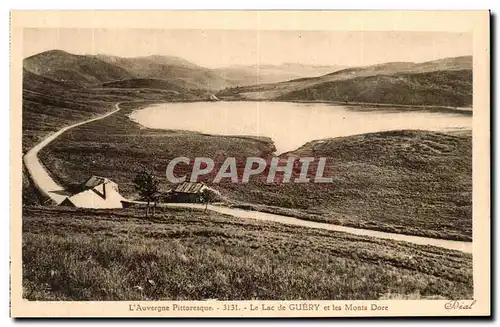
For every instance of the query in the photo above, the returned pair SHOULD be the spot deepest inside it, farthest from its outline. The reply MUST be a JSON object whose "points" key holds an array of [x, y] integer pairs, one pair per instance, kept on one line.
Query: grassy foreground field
{"points": [[71, 254]]}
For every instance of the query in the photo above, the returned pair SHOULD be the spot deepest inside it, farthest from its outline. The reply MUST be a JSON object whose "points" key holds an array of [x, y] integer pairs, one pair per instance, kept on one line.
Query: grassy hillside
{"points": [[90, 70], [148, 83], [172, 69], [49, 105], [455, 63], [73, 69], [374, 80], [441, 88], [191, 255], [412, 182], [146, 65]]}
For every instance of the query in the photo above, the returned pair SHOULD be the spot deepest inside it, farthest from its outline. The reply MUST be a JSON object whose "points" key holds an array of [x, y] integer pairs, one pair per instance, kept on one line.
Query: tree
{"points": [[209, 195], [147, 186]]}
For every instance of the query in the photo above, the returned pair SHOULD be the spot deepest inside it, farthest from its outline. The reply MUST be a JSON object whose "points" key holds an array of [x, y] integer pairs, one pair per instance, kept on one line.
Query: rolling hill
{"points": [[171, 69], [443, 82], [76, 70], [60, 88], [439, 88], [163, 72], [96, 70], [49, 105], [146, 83], [375, 84]]}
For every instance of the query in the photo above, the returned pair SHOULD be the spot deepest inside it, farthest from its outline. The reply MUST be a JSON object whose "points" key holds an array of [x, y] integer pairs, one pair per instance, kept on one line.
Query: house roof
{"points": [[67, 203], [96, 180], [187, 187], [98, 192], [93, 198]]}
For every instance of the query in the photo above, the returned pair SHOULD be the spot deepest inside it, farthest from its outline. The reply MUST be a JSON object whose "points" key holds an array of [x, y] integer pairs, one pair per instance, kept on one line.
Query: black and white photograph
{"points": [[322, 170]]}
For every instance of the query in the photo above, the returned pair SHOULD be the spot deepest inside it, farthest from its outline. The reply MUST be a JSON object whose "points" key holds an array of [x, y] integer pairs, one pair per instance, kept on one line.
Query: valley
{"points": [[409, 181]]}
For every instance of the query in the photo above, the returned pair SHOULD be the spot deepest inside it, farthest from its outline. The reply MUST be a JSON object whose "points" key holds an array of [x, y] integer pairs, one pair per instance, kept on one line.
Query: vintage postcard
{"points": [[250, 163]]}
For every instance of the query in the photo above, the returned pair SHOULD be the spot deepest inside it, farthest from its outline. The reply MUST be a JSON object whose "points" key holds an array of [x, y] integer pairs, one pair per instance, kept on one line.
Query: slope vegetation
{"points": [[145, 83], [376, 84], [413, 182], [91, 70], [73, 69], [171, 69], [91, 255], [49, 105], [441, 88]]}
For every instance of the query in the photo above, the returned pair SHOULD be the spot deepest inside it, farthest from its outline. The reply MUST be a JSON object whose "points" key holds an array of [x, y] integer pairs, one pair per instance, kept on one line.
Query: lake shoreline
{"points": [[218, 121], [464, 110]]}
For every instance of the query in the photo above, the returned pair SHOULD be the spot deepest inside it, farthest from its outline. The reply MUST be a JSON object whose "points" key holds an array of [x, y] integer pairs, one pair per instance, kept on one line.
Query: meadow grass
{"points": [[75, 254]]}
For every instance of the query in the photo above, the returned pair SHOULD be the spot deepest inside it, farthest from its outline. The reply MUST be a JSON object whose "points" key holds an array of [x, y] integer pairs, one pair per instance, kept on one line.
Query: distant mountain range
{"points": [[265, 74], [161, 71], [60, 88], [446, 82], [93, 71]]}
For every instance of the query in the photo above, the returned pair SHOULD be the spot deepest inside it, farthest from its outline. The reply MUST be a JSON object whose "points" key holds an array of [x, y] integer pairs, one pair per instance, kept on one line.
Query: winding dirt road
{"points": [[40, 176], [49, 188]]}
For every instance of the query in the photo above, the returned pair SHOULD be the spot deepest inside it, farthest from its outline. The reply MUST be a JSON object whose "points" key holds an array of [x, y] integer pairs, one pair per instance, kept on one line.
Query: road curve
{"points": [[240, 213], [39, 175], [49, 188]]}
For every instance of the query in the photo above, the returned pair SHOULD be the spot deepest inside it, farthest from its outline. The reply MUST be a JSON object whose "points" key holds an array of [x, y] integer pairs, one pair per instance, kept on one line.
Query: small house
{"points": [[98, 193], [188, 192]]}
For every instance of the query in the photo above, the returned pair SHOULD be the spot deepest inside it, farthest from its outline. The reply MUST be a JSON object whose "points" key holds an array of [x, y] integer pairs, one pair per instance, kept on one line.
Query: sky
{"points": [[221, 48]]}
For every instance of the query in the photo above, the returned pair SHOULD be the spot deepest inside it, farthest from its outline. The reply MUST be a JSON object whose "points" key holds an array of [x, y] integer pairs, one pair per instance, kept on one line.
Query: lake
{"points": [[291, 125]]}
